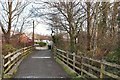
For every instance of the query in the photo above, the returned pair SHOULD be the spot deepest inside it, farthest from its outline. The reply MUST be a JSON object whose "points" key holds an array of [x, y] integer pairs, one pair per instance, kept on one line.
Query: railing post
{"points": [[73, 61], [102, 67], [2, 67], [9, 58], [24, 51], [67, 57], [55, 52], [61, 53], [28, 50], [81, 65]]}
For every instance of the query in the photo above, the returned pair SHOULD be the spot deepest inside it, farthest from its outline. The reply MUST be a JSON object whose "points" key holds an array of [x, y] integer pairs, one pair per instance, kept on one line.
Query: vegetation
{"points": [[7, 48], [114, 56], [10, 16], [92, 27], [71, 73], [58, 39], [41, 44], [67, 69]]}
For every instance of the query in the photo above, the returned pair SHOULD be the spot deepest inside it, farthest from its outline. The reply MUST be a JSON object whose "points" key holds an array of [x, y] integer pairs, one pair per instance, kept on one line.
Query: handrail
{"points": [[87, 65], [11, 60], [103, 62]]}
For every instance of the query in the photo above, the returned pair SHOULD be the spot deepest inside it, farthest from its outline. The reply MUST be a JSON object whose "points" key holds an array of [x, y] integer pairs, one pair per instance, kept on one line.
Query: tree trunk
{"points": [[7, 34], [119, 28], [88, 26], [72, 44], [7, 38]]}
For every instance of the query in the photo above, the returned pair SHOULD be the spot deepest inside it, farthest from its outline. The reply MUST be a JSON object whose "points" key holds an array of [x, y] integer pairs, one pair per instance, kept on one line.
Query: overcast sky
{"points": [[41, 28]]}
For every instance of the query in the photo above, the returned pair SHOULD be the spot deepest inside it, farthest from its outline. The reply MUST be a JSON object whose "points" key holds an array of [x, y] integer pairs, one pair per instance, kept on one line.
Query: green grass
{"points": [[69, 71]]}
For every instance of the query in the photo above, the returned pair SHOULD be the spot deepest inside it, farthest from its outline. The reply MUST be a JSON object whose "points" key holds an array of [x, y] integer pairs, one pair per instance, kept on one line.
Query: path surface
{"points": [[40, 64]]}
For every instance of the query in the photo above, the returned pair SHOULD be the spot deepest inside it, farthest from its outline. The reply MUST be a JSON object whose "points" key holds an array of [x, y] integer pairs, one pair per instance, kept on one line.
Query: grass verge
{"points": [[69, 71]]}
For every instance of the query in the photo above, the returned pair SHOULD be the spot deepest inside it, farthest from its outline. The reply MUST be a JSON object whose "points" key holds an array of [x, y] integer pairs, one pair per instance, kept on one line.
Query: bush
{"points": [[58, 39], [114, 56], [7, 48], [41, 44]]}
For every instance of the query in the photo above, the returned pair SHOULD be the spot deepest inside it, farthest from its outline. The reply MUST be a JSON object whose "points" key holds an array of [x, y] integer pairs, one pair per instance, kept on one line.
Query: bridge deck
{"points": [[40, 64]]}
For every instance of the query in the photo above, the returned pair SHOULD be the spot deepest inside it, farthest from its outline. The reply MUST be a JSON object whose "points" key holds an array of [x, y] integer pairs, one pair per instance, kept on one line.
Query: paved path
{"points": [[42, 48], [40, 64]]}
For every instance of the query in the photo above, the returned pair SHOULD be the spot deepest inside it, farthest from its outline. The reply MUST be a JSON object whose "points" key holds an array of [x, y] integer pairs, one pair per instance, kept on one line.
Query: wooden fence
{"points": [[12, 61], [88, 67]]}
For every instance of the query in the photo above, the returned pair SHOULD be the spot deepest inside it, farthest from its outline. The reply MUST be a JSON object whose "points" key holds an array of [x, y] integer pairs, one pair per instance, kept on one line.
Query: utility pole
{"points": [[33, 33], [1, 57]]}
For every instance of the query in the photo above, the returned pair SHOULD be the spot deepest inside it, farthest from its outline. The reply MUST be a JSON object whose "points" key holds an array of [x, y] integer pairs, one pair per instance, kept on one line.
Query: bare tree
{"points": [[71, 17], [92, 26], [88, 25], [9, 14]]}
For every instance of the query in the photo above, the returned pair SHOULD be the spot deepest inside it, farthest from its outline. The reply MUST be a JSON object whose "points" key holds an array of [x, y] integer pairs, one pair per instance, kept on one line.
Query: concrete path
{"points": [[41, 48], [40, 64]]}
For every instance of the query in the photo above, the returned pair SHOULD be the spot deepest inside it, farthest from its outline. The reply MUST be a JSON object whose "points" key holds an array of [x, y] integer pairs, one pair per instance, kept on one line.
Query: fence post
{"points": [[1, 66], [9, 58], [73, 61], [28, 49], [3, 69], [24, 51], [54, 52], [67, 57], [102, 67], [81, 65]]}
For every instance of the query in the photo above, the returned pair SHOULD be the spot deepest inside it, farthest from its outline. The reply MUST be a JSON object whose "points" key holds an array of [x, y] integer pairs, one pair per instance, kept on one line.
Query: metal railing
{"points": [[88, 67], [12, 60]]}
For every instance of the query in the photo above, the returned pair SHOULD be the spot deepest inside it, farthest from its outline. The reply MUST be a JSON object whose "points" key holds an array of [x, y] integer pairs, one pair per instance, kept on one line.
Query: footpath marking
{"points": [[41, 57], [42, 77]]}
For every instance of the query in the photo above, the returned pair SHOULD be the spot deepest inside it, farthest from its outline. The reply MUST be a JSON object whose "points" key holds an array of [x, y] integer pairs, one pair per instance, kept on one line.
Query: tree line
{"points": [[93, 27], [12, 17]]}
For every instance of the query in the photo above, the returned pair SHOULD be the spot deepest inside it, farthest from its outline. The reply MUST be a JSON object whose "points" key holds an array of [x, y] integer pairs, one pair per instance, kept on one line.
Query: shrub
{"points": [[58, 39], [7, 48], [41, 44], [114, 56]]}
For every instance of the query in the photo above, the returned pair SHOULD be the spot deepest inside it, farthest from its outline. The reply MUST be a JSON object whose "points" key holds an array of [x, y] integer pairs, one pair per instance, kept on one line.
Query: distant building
{"points": [[12, 33], [20, 39]]}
